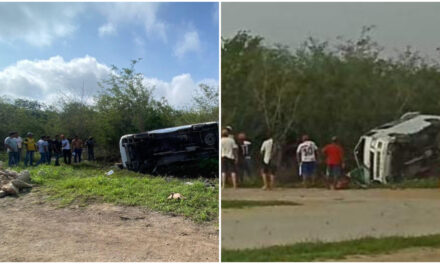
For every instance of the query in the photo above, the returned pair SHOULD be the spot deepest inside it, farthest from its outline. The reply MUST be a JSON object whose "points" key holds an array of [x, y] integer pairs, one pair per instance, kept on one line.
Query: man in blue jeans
{"points": [[306, 155], [12, 148], [31, 147], [43, 149]]}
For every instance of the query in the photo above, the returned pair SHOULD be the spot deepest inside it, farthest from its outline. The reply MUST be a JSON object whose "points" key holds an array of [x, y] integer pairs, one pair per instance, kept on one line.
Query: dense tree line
{"points": [[124, 105], [322, 89]]}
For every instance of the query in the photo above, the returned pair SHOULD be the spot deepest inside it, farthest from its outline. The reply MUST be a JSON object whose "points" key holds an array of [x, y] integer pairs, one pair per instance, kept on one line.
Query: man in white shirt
{"points": [[229, 155], [306, 154], [268, 163]]}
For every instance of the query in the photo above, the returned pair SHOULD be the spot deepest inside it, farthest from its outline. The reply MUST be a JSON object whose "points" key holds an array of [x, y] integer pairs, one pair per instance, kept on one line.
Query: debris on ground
{"points": [[110, 172], [176, 196], [11, 182]]}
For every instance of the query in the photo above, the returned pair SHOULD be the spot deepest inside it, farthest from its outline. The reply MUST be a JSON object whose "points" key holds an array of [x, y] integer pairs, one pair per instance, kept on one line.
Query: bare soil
{"points": [[405, 255], [326, 215], [34, 230]]}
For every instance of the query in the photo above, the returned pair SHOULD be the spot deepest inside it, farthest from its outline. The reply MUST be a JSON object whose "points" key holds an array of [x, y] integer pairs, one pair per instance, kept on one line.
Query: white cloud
{"points": [[106, 29], [189, 43], [47, 80], [179, 92], [135, 13], [38, 24]]}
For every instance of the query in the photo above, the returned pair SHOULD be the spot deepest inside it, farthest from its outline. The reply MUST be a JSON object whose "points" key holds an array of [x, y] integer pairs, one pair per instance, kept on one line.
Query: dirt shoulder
{"points": [[33, 230], [328, 216], [404, 255]]}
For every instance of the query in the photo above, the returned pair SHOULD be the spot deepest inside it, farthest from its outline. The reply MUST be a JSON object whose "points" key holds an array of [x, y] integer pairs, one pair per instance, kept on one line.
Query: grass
{"points": [[86, 183], [239, 204], [303, 252]]}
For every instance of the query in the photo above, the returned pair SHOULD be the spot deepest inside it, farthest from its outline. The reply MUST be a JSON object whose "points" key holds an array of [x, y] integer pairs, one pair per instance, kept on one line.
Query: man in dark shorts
{"points": [[229, 154]]}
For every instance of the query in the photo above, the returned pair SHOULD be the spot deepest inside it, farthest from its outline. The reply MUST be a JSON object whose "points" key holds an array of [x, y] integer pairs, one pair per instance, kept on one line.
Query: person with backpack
{"points": [[269, 151], [307, 153], [334, 160]]}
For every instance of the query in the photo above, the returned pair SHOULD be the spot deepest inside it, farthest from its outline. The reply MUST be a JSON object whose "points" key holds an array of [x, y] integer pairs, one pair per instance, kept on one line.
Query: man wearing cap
{"points": [[12, 148], [334, 160], [30, 146]]}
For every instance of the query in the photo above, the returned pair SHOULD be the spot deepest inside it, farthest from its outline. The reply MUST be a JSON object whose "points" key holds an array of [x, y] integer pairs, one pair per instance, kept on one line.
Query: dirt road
{"points": [[328, 216], [34, 231], [405, 255]]}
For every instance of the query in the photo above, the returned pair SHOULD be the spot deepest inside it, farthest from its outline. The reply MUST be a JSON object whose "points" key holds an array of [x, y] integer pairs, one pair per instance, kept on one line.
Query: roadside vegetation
{"points": [[319, 251], [88, 183]]}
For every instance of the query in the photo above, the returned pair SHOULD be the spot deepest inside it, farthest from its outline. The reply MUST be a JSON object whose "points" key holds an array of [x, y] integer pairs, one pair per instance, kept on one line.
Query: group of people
{"points": [[236, 159], [48, 148]]}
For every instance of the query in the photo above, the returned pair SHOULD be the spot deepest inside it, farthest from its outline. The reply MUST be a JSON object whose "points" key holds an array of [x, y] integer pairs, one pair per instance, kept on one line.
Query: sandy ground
{"points": [[326, 215], [31, 230], [405, 255]]}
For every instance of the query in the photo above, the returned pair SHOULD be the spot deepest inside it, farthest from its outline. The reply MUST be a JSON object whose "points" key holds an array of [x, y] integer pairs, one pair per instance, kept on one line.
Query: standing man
{"points": [[244, 161], [268, 152], [49, 152], [229, 158], [42, 149], [307, 153], [56, 147], [31, 147], [90, 149], [19, 144], [231, 135], [12, 148], [67, 153], [334, 160], [77, 145]]}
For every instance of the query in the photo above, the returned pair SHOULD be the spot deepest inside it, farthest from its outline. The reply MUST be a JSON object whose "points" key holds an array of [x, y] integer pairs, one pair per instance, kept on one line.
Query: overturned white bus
{"points": [[399, 149], [147, 151]]}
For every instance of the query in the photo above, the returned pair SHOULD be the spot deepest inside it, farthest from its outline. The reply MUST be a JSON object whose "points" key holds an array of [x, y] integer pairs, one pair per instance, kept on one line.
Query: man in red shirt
{"points": [[334, 159]]}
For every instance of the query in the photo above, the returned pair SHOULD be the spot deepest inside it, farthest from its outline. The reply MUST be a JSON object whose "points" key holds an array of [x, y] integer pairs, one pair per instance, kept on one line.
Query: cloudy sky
{"points": [[48, 49], [397, 24]]}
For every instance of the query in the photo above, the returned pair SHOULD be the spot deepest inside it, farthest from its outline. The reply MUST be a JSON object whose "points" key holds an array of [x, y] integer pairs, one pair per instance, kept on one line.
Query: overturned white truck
{"points": [[148, 151], [400, 149]]}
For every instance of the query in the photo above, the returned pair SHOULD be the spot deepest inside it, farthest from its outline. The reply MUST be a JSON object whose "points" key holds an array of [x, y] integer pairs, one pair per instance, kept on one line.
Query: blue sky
{"points": [[62, 44]]}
